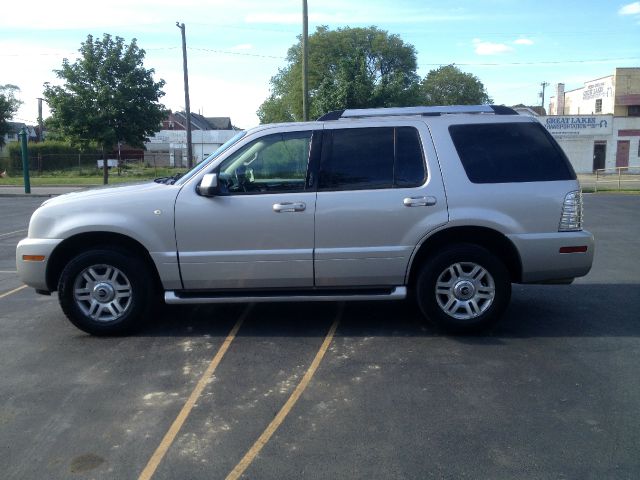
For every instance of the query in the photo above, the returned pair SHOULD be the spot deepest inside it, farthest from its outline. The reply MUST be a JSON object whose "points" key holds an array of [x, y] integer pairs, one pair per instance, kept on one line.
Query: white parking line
{"points": [[8, 234]]}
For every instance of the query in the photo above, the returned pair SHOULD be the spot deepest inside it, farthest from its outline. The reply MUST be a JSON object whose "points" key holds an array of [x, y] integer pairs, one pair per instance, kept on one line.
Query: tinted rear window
{"points": [[370, 158], [510, 152]]}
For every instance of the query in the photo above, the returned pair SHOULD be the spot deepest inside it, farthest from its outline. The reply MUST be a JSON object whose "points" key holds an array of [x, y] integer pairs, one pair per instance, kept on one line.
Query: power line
{"points": [[437, 64], [544, 62], [227, 52]]}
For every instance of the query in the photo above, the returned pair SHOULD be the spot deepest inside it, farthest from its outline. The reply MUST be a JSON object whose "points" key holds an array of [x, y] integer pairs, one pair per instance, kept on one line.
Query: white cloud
{"points": [[630, 9], [490, 48], [523, 41], [219, 98]]}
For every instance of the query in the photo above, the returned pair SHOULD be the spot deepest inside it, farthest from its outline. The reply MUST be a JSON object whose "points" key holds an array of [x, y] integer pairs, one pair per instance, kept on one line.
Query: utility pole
{"points": [[40, 122], [305, 62], [187, 106], [544, 85]]}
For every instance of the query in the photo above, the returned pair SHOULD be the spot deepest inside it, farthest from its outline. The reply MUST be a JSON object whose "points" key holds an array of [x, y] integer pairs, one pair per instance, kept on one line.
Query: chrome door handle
{"points": [[419, 201], [289, 207]]}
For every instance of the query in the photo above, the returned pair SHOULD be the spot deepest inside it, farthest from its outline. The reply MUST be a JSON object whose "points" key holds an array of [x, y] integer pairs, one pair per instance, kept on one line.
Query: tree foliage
{"points": [[107, 95], [9, 105], [348, 68], [449, 85]]}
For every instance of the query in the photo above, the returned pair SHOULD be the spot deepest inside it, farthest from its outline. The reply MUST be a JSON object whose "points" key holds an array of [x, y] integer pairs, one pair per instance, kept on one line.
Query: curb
{"points": [[30, 195]]}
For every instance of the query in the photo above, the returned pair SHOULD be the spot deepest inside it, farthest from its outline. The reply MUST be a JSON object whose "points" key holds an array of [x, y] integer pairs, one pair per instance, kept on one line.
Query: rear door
{"points": [[378, 195]]}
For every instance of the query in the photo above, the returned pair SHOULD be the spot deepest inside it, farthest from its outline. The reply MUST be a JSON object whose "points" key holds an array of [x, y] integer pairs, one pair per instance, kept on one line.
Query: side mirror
{"points": [[208, 185]]}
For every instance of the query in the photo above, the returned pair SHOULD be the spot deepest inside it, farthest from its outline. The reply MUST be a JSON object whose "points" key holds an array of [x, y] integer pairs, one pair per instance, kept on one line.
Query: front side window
{"points": [[270, 164], [371, 158]]}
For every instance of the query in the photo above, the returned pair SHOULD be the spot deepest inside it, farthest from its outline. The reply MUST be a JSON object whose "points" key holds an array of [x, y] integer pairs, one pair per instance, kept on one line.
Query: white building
{"points": [[598, 125], [169, 147], [594, 142]]}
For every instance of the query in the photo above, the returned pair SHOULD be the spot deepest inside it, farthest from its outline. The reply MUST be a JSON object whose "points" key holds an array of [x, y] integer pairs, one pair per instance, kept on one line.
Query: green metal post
{"points": [[25, 159]]}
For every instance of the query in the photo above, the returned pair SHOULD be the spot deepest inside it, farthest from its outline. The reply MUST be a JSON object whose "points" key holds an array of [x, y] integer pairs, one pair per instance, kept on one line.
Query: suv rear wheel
{"points": [[463, 288], [105, 291]]}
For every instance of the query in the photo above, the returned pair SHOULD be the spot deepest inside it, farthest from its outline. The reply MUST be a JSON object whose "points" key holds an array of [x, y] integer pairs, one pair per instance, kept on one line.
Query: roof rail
{"points": [[424, 111]]}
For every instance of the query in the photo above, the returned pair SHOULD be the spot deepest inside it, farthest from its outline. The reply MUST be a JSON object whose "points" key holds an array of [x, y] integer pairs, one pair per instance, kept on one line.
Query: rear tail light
{"points": [[571, 218]]}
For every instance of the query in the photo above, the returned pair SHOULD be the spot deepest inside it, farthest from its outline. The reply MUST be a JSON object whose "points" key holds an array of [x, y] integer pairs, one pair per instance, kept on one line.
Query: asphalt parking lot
{"points": [[552, 392]]}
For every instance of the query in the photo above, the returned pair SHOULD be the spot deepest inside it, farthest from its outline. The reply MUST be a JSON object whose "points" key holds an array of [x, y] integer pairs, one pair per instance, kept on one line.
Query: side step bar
{"points": [[395, 293]]}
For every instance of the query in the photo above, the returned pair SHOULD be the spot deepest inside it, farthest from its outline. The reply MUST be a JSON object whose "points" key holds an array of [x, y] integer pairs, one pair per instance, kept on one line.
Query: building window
{"points": [[634, 111], [599, 105]]}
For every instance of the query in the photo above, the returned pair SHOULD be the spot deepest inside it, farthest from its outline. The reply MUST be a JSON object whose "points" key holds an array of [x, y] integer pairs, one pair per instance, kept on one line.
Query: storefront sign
{"points": [[579, 125], [594, 90]]}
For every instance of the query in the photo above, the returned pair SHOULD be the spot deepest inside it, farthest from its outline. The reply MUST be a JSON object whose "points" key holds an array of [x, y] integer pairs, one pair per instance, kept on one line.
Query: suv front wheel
{"points": [[463, 288], [106, 291]]}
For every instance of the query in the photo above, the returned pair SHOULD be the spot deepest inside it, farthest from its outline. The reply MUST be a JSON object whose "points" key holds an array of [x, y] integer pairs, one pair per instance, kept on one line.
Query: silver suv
{"points": [[450, 204]]}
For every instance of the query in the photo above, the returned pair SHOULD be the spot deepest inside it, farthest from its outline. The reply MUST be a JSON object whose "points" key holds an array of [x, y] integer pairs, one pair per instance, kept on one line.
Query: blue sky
{"points": [[236, 46]]}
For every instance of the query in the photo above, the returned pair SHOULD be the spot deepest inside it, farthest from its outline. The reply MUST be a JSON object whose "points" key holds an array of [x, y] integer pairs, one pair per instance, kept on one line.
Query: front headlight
{"points": [[571, 218]]}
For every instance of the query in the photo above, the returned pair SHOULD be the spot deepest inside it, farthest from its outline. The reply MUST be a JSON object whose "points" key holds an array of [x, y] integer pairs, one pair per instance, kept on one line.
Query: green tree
{"points": [[449, 85], [348, 68], [107, 96], [9, 105]]}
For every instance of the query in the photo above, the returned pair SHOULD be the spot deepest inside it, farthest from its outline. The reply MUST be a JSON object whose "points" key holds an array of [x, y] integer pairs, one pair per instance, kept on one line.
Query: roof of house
{"points": [[201, 122], [15, 127], [220, 123]]}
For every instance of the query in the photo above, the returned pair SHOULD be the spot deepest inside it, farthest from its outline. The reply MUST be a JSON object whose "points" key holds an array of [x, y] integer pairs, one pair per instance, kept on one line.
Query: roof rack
{"points": [[423, 111]]}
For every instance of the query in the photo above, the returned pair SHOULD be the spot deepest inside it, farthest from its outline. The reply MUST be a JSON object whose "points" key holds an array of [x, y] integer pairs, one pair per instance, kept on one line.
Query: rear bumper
{"points": [[34, 273], [542, 260]]}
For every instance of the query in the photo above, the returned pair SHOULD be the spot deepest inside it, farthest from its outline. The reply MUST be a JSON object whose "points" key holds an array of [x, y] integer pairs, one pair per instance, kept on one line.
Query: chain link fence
{"points": [[91, 164]]}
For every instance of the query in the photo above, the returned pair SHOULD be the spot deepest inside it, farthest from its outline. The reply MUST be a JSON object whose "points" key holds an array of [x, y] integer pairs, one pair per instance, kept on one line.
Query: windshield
{"points": [[222, 148]]}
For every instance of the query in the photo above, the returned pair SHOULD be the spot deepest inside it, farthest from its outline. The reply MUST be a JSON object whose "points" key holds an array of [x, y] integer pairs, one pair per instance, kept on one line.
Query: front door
{"points": [[622, 154], [599, 155], [260, 234]]}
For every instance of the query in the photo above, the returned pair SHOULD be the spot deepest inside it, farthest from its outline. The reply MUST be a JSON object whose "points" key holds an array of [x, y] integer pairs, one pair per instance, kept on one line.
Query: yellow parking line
{"points": [[284, 411], [11, 292], [171, 434]]}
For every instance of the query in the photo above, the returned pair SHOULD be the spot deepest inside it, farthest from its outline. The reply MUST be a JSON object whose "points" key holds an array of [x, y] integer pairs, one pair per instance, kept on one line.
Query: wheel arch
{"points": [[495, 242], [82, 242]]}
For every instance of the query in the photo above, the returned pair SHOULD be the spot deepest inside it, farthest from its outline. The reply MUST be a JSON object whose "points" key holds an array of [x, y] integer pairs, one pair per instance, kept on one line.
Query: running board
{"points": [[395, 293]]}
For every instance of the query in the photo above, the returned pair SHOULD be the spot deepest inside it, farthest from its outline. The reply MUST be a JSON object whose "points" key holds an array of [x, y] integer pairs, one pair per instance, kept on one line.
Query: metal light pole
{"points": [[187, 106], [25, 159], [305, 62]]}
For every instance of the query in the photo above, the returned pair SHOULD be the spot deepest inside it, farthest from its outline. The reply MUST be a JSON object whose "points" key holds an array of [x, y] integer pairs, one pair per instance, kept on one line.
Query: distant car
{"points": [[452, 204]]}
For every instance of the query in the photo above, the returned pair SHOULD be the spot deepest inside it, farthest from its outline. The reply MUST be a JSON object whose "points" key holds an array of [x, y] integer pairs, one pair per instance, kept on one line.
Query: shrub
{"points": [[49, 156]]}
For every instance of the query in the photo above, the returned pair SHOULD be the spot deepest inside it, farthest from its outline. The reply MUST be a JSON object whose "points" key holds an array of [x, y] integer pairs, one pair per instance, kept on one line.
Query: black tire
{"points": [[463, 288], [106, 291]]}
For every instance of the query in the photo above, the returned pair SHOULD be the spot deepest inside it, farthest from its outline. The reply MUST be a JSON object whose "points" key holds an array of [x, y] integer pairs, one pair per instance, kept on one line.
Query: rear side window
{"points": [[510, 152], [409, 166], [371, 158]]}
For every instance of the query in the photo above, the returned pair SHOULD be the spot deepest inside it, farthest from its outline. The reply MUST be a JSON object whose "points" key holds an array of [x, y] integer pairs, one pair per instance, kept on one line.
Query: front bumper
{"points": [[34, 273], [542, 260]]}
